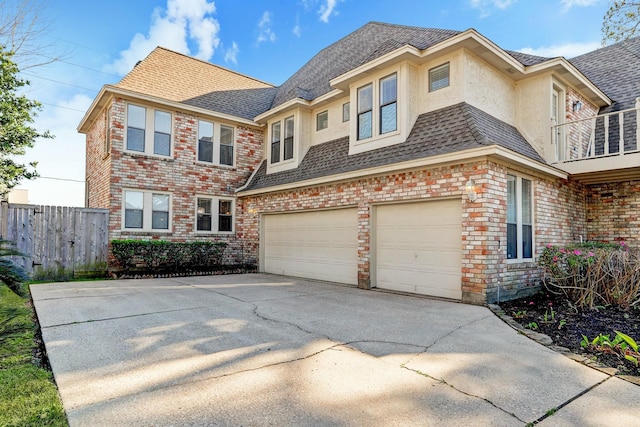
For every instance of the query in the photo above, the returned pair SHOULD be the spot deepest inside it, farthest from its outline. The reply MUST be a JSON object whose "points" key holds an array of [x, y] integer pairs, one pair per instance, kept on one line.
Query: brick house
{"points": [[404, 158]]}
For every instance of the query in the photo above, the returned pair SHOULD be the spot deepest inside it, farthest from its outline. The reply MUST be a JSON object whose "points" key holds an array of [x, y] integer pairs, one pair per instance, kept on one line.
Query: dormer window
{"points": [[386, 108], [282, 149], [389, 104], [365, 111]]}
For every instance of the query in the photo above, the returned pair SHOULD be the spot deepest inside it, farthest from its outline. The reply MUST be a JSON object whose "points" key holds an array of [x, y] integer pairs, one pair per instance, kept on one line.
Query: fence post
{"points": [[4, 220]]}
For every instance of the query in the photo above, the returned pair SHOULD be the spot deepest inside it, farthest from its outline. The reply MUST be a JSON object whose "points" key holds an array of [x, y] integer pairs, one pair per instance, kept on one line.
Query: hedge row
{"points": [[162, 256]]}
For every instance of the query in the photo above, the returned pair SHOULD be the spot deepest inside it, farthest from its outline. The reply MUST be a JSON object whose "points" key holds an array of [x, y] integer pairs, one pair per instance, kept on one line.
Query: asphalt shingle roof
{"points": [[176, 77], [456, 128], [615, 70], [365, 44]]}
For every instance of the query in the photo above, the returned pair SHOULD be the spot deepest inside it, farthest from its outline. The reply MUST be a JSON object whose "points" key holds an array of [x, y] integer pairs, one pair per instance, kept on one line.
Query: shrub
{"points": [[593, 274], [163, 256]]}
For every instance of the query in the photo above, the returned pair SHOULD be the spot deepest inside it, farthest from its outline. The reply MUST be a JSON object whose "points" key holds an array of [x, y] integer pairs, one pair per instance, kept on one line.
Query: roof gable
{"points": [[367, 43], [176, 77]]}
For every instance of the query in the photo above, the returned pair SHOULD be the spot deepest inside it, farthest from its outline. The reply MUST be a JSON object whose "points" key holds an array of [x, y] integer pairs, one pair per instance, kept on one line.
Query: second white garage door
{"points": [[319, 245], [418, 248]]}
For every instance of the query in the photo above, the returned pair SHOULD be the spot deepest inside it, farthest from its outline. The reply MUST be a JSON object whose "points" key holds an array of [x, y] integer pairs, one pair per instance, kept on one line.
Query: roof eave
{"points": [[574, 76], [109, 90], [492, 151]]}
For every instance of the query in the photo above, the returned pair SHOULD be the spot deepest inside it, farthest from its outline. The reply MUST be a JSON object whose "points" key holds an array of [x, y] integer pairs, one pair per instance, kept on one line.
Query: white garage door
{"points": [[418, 248], [319, 245]]}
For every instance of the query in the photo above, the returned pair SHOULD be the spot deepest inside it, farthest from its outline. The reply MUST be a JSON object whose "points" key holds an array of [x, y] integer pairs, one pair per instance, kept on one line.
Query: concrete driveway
{"points": [[261, 350]]}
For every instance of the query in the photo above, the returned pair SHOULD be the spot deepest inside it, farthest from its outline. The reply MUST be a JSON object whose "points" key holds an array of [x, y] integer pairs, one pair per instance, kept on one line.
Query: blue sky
{"points": [[268, 40]]}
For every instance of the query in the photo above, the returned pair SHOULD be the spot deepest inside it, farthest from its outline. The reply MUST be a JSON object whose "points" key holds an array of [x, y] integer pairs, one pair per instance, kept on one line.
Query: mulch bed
{"points": [[554, 316]]}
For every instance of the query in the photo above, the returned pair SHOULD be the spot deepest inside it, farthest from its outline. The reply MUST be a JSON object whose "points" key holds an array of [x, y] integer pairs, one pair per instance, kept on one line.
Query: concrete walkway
{"points": [[263, 350]]}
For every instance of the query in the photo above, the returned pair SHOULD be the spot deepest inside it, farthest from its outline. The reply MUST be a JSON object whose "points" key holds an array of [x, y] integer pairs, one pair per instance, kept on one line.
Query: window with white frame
{"points": [[439, 77], [214, 215], [282, 140], [140, 122], [385, 108], [205, 141], [389, 104], [345, 112], [226, 145], [146, 210], [519, 218], [322, 120], [365, 111], [215, 143]]}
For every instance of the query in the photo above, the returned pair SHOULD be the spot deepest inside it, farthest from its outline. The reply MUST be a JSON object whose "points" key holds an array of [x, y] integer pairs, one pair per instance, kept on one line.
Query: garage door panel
{"points": [[418, 248], [317, 245]]}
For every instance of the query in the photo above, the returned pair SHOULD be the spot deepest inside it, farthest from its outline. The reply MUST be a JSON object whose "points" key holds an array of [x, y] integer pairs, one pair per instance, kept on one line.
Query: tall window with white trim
{"points": [[282, 135], [365, 112], [519, 218], [389, 104]]}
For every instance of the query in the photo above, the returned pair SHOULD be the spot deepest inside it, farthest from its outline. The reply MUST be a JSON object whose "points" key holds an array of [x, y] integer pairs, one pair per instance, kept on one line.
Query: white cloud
{"points": [[264, 28], [327, 9], [485, 6], [568, 4], [182, 21], [231, 55], [568, 50], [297, 31]]}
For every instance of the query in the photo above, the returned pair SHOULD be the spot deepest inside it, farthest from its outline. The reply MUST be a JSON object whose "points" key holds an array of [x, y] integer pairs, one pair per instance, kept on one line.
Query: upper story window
{"points": [[439, 77], [215, 143], [389, 104], [322, 120], [365, 111], [519, 218], [282, 149], [214, 215], [148, 130], [345, 112], [146, 210], [387, 107]]}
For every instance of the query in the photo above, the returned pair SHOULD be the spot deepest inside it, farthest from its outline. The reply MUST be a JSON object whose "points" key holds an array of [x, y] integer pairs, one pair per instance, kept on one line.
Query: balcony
{"points": [[601, 148]]}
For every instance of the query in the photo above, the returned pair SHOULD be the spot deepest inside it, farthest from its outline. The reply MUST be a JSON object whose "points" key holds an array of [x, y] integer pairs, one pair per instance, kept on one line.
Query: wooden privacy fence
{"points": [[57, 239]]}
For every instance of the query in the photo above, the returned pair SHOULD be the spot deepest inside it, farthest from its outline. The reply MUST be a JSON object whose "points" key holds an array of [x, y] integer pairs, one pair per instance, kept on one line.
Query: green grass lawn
{"points": [[28, 396]]}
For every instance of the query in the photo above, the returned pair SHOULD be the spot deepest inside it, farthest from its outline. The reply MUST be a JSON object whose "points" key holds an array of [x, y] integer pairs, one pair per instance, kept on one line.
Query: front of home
{"points": [[402, 158]]}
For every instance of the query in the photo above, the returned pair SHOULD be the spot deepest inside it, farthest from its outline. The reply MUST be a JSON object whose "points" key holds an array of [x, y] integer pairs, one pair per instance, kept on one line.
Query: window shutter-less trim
{"points": [[439, 77]]}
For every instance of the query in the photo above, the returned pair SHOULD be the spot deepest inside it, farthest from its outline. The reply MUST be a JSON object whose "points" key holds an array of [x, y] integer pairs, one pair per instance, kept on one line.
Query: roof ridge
{"points": [[467, 113]]}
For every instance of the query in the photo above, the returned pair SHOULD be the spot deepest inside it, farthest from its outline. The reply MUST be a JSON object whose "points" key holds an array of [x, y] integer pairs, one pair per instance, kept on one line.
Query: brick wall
{"points": [[559, 218], [613, 212], [98, 164], [180, 175]]}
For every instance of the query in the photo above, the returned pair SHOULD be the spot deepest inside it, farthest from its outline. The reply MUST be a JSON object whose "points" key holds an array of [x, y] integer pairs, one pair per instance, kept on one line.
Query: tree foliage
{"points": [[17, 113], [621, 21]]}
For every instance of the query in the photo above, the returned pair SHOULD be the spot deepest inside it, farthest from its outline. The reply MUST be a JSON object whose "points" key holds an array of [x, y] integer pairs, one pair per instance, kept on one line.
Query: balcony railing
{"points": [[602, 136]]}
